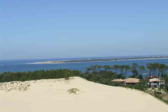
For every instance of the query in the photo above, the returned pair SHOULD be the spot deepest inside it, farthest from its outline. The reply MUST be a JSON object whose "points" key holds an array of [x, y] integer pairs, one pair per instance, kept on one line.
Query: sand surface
{"points": [[51, 96]]}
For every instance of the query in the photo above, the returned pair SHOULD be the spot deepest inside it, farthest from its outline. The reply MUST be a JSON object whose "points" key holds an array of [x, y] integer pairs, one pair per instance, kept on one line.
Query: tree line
{"points": [[41, 74], [134, 70]]}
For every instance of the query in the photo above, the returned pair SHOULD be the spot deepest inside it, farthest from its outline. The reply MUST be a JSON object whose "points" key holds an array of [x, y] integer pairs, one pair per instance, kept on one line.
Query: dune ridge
{"points": [[51, 95]]}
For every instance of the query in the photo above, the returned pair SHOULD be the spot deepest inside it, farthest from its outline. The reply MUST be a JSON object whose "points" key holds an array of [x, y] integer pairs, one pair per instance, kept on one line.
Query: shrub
{"points": [[73, 91]]}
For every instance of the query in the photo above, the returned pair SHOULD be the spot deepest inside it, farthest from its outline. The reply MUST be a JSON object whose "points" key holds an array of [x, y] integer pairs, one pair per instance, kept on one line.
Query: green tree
{"points": [[134, 70]]}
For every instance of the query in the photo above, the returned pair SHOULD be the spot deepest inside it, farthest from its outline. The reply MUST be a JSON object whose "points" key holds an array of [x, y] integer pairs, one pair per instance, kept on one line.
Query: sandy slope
{"points": [[52, 96]]}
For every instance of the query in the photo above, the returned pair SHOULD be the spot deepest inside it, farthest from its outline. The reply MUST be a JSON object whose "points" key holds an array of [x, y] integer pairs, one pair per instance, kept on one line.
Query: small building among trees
{"points": [[118, 80], [155, 83], [131, 81], [128, 81]]}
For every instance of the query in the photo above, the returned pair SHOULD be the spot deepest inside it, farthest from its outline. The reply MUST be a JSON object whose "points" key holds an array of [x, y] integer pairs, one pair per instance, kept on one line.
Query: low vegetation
{"points": [[73, 91]]}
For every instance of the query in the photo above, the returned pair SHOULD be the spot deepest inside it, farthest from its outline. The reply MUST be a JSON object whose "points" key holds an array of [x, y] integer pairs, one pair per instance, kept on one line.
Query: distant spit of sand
{"points": [[47, 62], [98, 60], [53, 95]]}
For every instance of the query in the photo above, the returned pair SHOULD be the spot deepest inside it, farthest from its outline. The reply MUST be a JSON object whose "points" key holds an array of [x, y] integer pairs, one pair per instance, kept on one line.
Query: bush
{"points": [[73, 91]]}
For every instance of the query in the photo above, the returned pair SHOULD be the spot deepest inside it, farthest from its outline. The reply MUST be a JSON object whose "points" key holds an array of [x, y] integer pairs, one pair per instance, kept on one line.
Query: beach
{"points": [[51, 95]]}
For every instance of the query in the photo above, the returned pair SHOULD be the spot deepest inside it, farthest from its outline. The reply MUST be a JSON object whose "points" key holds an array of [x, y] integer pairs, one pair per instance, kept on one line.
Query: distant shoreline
{"points": [[97, 60]]}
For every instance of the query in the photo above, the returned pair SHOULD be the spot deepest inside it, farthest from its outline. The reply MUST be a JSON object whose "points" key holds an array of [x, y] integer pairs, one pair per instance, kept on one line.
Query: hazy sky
{"points": [[82, 28]]}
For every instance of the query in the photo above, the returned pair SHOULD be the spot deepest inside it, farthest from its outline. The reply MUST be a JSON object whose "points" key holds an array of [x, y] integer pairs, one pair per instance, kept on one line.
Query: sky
{"points": [[32, 29]]}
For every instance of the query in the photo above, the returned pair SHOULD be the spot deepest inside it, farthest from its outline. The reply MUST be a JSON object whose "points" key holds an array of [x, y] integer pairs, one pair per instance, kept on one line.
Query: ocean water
{"points": [[24, 65]]}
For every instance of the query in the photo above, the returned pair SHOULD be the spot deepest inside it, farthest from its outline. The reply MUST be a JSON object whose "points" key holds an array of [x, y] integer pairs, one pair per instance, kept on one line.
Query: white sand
{"points": [[52, 96]]}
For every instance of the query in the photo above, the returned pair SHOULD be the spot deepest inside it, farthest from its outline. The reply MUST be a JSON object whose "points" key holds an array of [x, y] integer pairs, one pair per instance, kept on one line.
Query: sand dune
{"points": [[52, 96]]}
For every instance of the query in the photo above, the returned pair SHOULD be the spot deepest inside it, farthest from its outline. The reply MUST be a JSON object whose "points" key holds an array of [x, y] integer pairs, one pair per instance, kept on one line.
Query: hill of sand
{"points": [[51, 95]]}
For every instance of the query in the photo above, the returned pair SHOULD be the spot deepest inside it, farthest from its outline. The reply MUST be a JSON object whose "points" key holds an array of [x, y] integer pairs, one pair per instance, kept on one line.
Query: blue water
{"points": [[23, 66]]}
